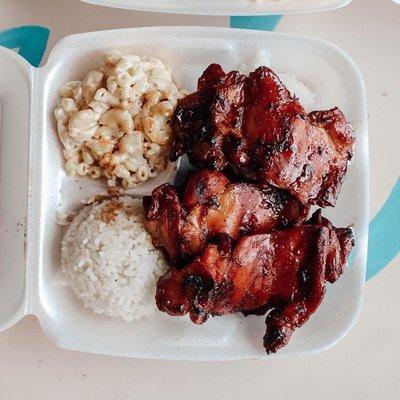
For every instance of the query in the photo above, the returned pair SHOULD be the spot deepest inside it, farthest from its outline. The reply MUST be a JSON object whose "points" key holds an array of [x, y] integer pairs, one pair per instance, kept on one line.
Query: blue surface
{"points": [[264, 23], [384, 229], [384, 234], [30, 42]]}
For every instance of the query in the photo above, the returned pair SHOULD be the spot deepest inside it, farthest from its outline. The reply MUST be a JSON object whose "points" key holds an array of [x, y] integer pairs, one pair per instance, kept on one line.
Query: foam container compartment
{"points": [[225, 7], [34, 186]]}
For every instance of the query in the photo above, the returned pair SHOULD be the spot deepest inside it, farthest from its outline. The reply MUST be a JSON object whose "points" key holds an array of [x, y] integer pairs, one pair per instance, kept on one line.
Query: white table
{"points": [[365, 365]]}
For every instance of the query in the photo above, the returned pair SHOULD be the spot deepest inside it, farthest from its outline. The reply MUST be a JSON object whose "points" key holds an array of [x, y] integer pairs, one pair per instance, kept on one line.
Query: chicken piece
{"points": [[205, 121], [305, 154], [210, 206], [282, 270], [255, 125], [341, 242]]}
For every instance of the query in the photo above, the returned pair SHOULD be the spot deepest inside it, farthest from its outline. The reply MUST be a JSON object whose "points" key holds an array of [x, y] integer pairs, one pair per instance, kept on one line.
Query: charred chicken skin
{"points": [[341, 241], [210, 206], [284, 271], [254, 124]]}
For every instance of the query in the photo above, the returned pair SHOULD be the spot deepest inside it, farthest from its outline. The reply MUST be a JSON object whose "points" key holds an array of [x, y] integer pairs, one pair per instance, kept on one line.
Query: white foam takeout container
{"points": [[34, 186], [225, 7]]}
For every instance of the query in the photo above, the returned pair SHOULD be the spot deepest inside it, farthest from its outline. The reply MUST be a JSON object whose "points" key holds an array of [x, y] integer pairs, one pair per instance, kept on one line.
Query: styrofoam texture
{"points": [[188, 50], [225, 7], [15, 91]]}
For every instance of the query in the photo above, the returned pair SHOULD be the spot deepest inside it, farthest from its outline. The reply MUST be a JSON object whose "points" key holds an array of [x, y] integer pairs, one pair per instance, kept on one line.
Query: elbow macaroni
{"points": [[116, 122]]}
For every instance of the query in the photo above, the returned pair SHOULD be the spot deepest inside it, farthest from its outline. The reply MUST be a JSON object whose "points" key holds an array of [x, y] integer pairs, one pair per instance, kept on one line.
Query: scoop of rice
{"points": [[109, 261]]}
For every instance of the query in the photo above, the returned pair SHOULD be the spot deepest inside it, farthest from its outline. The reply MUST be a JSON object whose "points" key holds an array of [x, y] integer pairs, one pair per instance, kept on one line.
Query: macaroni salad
{"points": [[116, 122]]}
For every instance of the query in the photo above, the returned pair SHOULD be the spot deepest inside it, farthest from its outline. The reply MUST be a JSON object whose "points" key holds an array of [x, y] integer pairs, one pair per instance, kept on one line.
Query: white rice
{"points": [[112, 266], [298, 89]]}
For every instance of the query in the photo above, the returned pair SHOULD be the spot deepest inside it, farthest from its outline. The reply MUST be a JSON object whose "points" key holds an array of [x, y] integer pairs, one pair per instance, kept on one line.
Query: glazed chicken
{"points": [[210, 206], [255, 125], [341, 242], [283, 270]]}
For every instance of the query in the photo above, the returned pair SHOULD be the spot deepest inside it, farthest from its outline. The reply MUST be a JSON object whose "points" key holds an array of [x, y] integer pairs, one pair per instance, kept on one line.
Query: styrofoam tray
{"points": [[225, 7], [34, 186]]}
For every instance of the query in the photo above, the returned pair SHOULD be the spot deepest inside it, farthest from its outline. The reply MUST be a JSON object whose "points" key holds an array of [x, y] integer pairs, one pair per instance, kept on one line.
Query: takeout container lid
{"points": [[34, 186], [225, 7]]}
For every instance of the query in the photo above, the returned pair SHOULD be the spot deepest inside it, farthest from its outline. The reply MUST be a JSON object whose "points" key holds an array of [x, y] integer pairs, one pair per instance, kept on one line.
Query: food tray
{"points": [[34, 186], [225, 7]]}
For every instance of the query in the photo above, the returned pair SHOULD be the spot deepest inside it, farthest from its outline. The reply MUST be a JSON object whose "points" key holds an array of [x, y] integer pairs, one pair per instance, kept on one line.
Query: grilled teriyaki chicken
{"points": [[254, 124], [284, 271], [210, 206]]}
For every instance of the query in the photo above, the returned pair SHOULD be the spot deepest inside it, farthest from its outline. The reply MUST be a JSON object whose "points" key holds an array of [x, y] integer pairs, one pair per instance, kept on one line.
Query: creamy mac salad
{"points": [[116, 121]]}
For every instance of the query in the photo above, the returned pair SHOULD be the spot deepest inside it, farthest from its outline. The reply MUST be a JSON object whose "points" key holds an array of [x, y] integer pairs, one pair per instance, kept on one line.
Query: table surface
{"points": [[364, 365]]}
